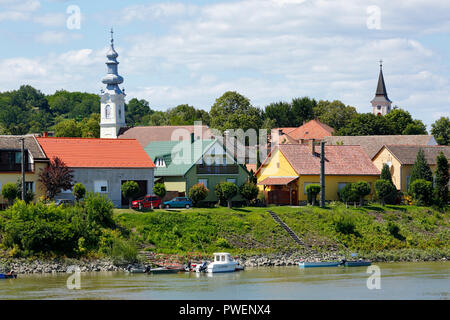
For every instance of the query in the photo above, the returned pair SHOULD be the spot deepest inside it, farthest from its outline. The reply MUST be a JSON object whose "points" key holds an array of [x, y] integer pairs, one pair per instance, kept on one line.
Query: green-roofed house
{"points": [[182, 164]]}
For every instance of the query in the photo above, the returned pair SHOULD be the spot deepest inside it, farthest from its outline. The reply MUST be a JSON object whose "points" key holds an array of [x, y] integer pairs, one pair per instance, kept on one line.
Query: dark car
{"points": [[146, 202], [179, 202]]}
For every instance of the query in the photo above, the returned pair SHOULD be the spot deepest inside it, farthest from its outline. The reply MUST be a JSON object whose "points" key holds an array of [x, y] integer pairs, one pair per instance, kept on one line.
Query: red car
{"points": [[146, 202]]}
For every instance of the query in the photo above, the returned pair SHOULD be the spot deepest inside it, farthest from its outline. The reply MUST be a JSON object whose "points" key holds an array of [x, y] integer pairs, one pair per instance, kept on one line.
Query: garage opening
{"points": [[142, 188]]}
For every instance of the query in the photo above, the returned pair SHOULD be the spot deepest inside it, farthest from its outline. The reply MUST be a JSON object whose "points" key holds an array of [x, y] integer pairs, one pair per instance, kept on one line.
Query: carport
{"points": [[280, 190]]}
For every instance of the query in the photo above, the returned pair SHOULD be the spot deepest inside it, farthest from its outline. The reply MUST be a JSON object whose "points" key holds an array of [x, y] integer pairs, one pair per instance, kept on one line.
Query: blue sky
{"points": [[174, 52]]}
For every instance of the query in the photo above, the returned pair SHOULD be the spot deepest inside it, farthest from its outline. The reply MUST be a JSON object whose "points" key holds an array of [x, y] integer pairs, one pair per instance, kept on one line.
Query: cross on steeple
{"points": [[112, 35], [381, 63]]}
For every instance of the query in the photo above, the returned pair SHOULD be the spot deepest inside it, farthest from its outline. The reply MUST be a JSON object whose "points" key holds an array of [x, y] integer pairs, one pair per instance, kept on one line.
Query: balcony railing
{"points": [[217, 169], [16, 167]]}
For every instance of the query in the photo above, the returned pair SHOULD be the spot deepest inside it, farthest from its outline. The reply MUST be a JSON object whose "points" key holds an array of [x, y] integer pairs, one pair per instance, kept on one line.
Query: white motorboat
{"points": [[223, 262]]}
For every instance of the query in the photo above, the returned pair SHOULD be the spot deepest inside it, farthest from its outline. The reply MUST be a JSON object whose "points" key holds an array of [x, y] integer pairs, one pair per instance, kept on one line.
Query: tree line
{"points": [[76, 114]]}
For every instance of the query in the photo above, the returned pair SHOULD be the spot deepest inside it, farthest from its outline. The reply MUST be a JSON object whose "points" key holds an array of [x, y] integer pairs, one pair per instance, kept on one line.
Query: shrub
{"points": [[347, 194], [421, 191], [123, 251], [160, 190], [225, 191], [198, 193], [130, 189], [99, 209], [56, 177], [312, 191], [79, 191], [421, 169], [361, 189], [386, 191], [442, 179], [249, 191], [10, 192], [344, 224], [394, 230], [223, 243], [386, 173]]}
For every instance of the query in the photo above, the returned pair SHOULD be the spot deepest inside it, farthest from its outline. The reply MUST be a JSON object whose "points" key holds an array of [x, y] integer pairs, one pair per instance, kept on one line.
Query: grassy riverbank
{"points": [[390, 233]]}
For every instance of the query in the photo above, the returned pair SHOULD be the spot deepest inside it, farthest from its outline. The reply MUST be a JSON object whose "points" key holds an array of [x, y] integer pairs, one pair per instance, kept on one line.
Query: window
{"points": [[204, 182], [223, 258], [231, 180], [408, 178], [160, 163], [18, 157], [29, 186], [341, 185], [108, 111], [101, 186]]}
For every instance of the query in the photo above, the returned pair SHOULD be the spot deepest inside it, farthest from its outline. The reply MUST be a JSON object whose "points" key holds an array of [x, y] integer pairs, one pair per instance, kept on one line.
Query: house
{"points": [[103, 165], [11, 162], [372, 144], [401, 158], [291, 167], [311, 130], [182, 164]]}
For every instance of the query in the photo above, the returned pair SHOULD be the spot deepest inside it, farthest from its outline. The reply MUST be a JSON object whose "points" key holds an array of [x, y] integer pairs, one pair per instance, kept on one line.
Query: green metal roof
{"points": [[177, 163]]}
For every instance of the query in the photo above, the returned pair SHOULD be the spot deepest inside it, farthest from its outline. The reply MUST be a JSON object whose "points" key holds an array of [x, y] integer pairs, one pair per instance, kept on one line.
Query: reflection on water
{"points": [[398, 281]]}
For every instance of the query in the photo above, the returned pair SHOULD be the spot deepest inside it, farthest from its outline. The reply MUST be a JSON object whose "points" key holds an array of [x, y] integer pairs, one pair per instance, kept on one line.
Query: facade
{"points": [[11, 163], [381, 105], [182, 164], [103, 165], [373, 144], [291, 167], [401, 158], [112, 114]]}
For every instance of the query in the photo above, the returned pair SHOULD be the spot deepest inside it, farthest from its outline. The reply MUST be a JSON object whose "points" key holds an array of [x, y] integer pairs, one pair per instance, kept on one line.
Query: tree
{"points": [[386, 191], [302, 110], [226, 191], [234, 111], [249, 191], [441, 131], [347, 194], [421, 191], [399, 120], [361, 189], [313, 190], [56, 177], [10, 192], [335, 114], [198, 193], [386, 173], [367, 124], [442, 179], [136, 110], [68, 128], [415, 128], [280, 112], [421, 169], [29, 194], [186, 115], [90, 128], [160, 190], [79, 191], [130, 189]]}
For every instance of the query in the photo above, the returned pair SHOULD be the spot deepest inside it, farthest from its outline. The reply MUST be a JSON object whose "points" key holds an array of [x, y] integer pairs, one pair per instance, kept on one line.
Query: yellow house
{"points": [[11, 163], [401, 158], [291, 167]]}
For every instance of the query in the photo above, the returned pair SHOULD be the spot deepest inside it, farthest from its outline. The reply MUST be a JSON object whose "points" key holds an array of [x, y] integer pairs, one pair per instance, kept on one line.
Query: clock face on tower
{"points": [[108, 111]]}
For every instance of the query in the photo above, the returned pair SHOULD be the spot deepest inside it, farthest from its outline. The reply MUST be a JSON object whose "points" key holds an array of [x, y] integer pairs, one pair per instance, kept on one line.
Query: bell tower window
{"points": [[108, 111]]}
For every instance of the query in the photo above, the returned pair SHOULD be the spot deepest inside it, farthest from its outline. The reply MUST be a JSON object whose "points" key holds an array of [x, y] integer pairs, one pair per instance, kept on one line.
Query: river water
{"points": [[430, 280]]}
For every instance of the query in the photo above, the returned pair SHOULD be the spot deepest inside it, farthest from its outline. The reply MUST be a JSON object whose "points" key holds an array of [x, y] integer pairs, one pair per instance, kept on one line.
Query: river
{"points": [[422, 280]]}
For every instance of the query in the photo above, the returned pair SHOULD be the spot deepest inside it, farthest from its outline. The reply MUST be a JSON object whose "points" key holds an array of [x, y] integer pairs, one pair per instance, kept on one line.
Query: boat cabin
{"points": [[223, 257]]}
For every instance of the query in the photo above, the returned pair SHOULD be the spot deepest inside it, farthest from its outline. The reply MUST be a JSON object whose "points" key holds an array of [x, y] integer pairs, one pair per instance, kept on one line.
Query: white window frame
{"points": [[233, 180], [98, 184]]}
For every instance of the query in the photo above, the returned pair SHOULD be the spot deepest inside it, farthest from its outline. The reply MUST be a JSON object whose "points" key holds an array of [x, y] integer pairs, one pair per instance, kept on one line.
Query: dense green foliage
{"points": [[160, 190], [386, 191], [56, 177], [312, 190], [361, 189], [10, 191], [79, 191], [130, 189], [421, 169], [249, 191], [421, 191], [441, 131], [198, 193], [386, 173], [347, 194], [226, 191], [442, 180]]}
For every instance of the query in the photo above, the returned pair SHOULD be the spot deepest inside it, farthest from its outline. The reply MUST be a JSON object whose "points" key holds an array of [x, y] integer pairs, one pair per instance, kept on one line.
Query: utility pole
{"points": [[322, 174], [23, 168]]}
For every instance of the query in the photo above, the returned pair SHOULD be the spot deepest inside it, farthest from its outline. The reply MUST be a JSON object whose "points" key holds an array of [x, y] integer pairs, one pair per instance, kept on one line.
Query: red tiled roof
{"points": [[313, 129], [277, 181], [339, 160], [97, 153]]}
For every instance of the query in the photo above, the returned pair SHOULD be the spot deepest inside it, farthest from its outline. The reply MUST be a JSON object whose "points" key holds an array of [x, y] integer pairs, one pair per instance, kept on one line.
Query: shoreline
{"points": [[43, 266]]}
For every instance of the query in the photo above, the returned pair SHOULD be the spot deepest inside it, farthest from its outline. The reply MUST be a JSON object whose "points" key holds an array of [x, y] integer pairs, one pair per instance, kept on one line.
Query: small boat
{"points": [[223, 262], [162, 270], [8, 276], [131, 269], [359, 263], [324, 264]]}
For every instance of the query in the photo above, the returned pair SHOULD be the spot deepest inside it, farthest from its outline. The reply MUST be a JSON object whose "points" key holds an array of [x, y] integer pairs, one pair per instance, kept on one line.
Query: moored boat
{"points": [[8, 276], [165, 270], [360, 263], [223, 262], [323, 264]]}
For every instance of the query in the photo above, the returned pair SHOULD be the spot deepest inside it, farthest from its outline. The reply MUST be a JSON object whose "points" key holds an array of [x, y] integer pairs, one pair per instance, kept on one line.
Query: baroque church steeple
{"points": [[113, 98], [381, 105]]}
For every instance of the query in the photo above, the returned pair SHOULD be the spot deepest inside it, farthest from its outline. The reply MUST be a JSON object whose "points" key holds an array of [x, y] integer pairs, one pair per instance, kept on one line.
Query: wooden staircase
{"points": [[286, 227]]}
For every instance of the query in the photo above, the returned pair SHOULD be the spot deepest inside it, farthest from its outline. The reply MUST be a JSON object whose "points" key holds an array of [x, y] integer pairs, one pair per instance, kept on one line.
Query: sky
{"points": [[191, 52]]}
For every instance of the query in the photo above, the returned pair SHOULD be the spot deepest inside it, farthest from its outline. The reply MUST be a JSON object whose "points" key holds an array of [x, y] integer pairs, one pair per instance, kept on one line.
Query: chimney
{"points": [[312, 146], [45, 134]]}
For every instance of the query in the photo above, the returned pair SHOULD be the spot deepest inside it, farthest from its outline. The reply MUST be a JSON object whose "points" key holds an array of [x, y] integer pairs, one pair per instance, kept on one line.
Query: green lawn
{"points": [[391, 232]]}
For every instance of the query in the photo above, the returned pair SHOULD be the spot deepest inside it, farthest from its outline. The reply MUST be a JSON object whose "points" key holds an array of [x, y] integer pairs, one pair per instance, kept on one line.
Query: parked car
{"points": [[179, 202], [64, 202], [146, 202]]}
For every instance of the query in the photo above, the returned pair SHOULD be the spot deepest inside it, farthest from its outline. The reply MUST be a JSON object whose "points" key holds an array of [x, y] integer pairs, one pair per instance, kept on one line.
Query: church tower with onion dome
{"points": [[112, 98], [381, 105]]}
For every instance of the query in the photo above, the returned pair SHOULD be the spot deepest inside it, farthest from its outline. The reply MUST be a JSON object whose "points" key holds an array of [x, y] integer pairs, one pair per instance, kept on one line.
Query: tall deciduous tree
{"points": [[441, 131], [56, 177], [302, 110], [367, 124], [335, 114]]}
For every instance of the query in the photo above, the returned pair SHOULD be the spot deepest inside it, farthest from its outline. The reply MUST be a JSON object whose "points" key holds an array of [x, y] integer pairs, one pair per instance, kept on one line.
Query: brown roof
{"points": [[372, 144], [13, 142], [408, 154], [313, 129], [277, 181], [145, 135], [339, 160]]}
